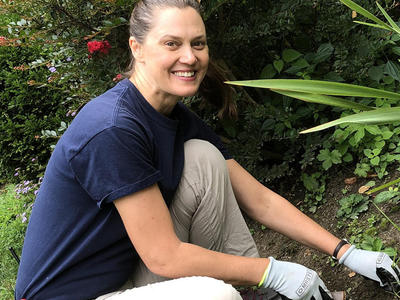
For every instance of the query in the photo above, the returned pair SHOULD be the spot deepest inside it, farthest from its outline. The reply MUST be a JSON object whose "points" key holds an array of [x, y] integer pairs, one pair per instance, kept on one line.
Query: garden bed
{"points": [[336, 277]]}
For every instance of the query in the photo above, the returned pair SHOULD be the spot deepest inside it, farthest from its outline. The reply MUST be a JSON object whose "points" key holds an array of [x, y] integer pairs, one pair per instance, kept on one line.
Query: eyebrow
{"points": [[178, 38]]}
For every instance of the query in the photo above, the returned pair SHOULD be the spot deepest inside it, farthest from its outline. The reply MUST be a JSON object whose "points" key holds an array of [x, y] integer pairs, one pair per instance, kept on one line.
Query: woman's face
{"points": [[173, 58]]}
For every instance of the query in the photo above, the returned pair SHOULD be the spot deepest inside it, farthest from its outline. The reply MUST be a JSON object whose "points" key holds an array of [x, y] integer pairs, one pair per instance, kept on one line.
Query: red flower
{"points": [[118, 77], [99, 46], [3, 40]]}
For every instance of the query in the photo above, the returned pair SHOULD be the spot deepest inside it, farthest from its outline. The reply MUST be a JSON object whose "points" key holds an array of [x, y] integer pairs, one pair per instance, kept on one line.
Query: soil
{"points": [[337, 277]]}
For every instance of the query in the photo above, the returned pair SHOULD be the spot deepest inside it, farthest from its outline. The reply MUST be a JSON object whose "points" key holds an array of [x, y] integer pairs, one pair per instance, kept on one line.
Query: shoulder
{"points": [[112, 115], [187, 115]]}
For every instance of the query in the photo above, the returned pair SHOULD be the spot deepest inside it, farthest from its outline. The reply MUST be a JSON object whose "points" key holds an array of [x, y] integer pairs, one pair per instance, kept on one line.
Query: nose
{"points": [[188, 56]]}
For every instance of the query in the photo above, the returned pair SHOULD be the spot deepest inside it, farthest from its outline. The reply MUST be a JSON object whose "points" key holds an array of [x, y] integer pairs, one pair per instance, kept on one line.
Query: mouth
{"points": [[184, 74]]}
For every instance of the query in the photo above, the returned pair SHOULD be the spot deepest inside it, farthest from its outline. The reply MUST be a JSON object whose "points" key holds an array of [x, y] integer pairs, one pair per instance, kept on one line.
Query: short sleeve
{"points": [[115, 163]]}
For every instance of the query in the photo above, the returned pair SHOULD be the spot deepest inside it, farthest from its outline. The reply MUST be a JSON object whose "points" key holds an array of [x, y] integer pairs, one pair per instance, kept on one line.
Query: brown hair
{"points": [[212, 88]]}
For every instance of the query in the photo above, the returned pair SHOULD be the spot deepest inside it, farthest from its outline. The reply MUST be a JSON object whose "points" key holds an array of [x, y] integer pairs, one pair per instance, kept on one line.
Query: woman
{"points": [[139, 190]]}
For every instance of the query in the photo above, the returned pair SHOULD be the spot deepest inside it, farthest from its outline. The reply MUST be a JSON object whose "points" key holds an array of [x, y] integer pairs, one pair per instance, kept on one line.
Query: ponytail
{"points": [[215, 91]]}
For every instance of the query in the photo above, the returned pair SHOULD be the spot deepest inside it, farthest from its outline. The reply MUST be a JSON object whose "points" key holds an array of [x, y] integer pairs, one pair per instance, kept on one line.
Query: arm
{"points": [[149, 226], [278, 214], [275, 212]]}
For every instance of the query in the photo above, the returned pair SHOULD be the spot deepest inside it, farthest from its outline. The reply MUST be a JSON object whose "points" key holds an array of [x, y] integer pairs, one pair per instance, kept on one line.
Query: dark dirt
{"points": [[338, 277]]}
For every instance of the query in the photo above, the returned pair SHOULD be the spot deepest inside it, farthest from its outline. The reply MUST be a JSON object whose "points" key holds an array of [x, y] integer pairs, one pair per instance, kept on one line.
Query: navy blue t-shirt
{"points": [[76, 246]]}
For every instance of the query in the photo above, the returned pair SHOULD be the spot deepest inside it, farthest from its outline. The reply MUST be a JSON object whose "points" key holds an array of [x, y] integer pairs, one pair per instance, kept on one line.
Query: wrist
{"points": [[341, 247], [343, 250]]}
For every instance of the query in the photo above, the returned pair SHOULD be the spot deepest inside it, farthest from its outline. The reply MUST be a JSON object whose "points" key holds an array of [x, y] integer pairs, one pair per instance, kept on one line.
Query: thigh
{"points": [[204, 210]]}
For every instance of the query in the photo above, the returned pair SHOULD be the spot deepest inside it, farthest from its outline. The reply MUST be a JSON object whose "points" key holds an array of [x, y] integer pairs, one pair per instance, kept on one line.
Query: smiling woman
{"points": [[139, 191], [172, 60], [146, 15]]}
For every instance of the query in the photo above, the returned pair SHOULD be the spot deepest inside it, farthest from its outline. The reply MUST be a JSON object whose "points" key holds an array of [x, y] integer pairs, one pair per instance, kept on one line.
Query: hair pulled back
{"points": [[212, 88]]}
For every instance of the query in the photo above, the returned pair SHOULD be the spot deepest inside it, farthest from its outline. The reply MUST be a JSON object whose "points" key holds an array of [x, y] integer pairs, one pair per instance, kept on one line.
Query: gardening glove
{"points": [[294, 281], [374, 265]]}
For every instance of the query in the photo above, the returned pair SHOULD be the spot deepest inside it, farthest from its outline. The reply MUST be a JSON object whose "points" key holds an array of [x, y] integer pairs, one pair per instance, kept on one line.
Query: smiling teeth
{"points": [[184, 74]]}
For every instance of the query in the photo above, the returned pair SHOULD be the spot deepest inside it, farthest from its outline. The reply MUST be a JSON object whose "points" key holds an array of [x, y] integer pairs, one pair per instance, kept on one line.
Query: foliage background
{"points": [[47, 75], [249, 38]]}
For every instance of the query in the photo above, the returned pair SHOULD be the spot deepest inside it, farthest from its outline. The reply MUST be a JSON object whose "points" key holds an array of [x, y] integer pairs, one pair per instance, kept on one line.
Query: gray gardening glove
{"points": [[295, 281], [377, 266]]}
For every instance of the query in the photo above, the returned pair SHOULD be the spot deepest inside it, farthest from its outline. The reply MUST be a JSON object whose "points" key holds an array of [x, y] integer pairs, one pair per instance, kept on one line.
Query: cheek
{"points": [[205, 60], [159, 61]]}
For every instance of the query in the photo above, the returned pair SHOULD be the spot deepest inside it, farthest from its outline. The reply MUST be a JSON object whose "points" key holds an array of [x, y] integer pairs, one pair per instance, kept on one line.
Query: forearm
{"points": [[280, 215], [275, 212], [192, 260]]}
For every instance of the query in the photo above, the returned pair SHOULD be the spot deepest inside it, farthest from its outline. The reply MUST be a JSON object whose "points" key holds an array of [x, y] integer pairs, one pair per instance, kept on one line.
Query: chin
{"points": [[186, 93]]}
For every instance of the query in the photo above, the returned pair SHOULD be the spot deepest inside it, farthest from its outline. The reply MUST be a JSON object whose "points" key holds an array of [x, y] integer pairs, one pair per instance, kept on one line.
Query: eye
{"points": [[199, 45], [171, 44]]}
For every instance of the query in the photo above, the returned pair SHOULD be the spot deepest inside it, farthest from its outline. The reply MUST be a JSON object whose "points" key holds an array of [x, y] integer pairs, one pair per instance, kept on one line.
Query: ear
{"points": [[136, 49]]}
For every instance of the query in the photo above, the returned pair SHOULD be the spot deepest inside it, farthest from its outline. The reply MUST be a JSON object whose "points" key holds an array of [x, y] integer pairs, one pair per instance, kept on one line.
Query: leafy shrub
{"points": [[26, 109], [48, 72], [15, 207]]}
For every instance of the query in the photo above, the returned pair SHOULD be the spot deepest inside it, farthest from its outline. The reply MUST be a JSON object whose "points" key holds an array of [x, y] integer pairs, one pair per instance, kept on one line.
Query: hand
{"points": [[374, 265], [295, 281]]}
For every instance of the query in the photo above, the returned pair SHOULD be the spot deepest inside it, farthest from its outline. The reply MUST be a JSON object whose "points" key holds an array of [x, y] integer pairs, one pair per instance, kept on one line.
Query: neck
{"points": [[162, 102]]}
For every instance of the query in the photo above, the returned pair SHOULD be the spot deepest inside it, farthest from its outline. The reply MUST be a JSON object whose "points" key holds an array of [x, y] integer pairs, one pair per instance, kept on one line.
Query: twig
{"points": [[14, 254]]}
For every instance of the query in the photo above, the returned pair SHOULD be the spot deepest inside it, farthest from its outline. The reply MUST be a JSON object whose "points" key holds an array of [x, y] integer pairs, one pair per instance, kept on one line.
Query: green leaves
{"points": [[352, 205], [366, 14], [391, 194], [323, 92], [324, 52], [376, 73], [329, 158], [315, 189], [290, 55], [393, 70], [268, 72], [278, 64], [320, 92]]}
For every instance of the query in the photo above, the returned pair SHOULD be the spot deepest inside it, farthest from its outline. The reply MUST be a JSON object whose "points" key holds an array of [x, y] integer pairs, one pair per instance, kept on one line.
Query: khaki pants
{"points": [[204, 212]]}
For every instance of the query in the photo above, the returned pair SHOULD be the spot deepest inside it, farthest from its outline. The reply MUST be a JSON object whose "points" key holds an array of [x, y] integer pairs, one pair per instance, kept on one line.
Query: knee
{"points": [[210, 288], [195, 287], [204, 153]]}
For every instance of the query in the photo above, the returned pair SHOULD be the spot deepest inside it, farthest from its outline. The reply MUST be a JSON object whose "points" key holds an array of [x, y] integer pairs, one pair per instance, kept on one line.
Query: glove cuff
{"points": [[266, 272], [346, 254]]}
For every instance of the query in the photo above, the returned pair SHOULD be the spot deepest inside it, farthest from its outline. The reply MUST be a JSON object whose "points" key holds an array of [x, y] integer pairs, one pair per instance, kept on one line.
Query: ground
{"points": [[337, 277]]}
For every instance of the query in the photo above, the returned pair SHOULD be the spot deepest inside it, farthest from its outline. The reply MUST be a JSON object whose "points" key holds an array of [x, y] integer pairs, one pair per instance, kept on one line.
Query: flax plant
{"points": [[325, 92]]}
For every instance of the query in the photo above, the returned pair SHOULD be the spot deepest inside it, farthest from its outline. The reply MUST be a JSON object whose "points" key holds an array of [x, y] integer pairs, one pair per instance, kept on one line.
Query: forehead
{"points": [[181, 22]]}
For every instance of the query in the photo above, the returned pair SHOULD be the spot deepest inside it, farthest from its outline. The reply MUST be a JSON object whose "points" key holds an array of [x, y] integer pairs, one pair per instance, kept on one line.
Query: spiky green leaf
{"points": [[377, 116], [318, 87], [324, 99], [364, 12]]}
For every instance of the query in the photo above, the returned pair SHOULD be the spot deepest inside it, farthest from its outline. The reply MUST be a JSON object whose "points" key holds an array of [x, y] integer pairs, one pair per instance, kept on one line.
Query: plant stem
{"points": [[381, 211], [383, 186]]}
